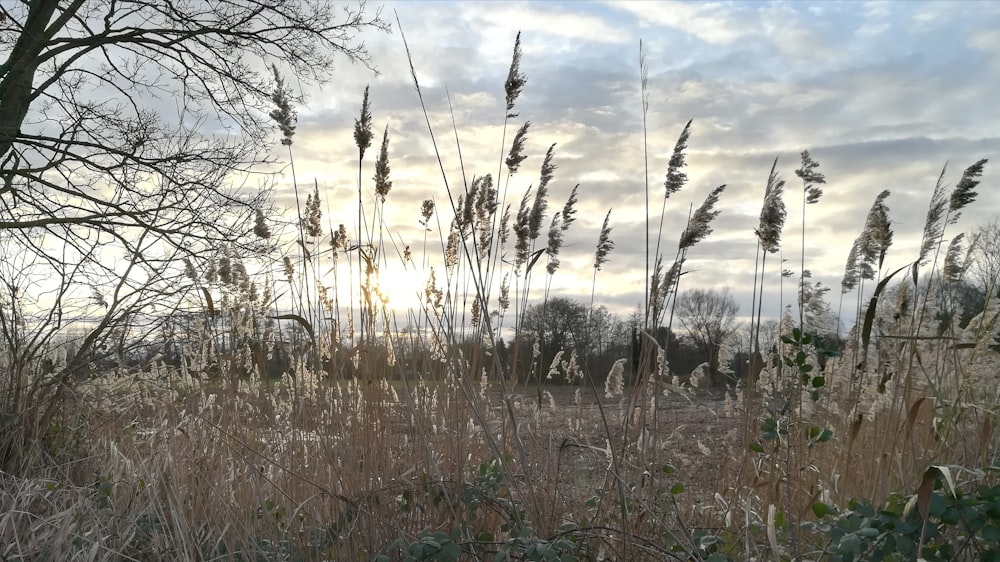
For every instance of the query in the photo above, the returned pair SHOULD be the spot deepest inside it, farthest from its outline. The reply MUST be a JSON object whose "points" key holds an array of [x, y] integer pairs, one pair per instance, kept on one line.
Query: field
{"points": [[249, 395]]}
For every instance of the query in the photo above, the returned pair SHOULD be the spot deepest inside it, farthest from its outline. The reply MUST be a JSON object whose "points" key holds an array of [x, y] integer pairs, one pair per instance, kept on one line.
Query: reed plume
{"points": [[811, 192], [964, 193], [515, 78], [382, 182], [283, 113], [540, 204], [773, 212], [516, 154], [934, 223], [604, 244], [363, 127], [700, 225]]}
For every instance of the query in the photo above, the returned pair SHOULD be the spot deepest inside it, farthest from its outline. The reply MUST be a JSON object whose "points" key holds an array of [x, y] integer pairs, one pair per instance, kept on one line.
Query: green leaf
{"points": [[677, 488], [667, 469], [756, 447], [825, 436], [450, 552], [781, 521], [991, 533], [818, 382], [850, 543], [820, 509]]}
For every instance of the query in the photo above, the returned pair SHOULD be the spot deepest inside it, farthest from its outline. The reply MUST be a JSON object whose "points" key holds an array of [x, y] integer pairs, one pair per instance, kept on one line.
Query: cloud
{"points": [[711, 22], [883, 97]]}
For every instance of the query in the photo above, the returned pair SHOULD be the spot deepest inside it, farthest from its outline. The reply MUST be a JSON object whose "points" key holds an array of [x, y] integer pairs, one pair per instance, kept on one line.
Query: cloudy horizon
{"points": [[883, 95]]}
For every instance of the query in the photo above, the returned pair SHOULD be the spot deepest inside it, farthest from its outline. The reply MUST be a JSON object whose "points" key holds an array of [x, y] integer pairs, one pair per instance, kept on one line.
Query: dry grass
{"points": [[381, 438]]}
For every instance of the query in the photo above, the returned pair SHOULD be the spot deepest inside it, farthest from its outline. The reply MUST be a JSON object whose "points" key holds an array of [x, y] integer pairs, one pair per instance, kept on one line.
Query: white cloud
{"points": [[879, 108], [711, 22]]}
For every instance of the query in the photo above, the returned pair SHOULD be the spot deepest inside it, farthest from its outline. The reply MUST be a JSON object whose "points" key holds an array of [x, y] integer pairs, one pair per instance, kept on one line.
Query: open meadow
{"points": [[188, 372]]}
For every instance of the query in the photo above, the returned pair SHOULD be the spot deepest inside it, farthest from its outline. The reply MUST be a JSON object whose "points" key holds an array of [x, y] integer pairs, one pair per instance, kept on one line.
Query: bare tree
{"points": [[709, 316], [984, 258], [128, 132]]}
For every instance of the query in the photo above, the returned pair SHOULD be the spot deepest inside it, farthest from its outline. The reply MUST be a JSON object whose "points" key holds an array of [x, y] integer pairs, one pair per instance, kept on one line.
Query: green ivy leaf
{"points": [[850, 543], [991, 533], [450, 552]]}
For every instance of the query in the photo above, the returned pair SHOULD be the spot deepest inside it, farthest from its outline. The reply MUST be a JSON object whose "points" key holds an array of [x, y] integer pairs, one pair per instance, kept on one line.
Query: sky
{"points": [[883, 95]]}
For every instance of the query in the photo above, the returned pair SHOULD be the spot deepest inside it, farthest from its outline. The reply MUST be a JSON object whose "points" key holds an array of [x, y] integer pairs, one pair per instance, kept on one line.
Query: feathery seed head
{"points": [[283, 113], [477, 314], [851, 277], [212, 273], [339, 240], [486, 199], [569, 209], [225, 269], [614, 385], [504, 231], [541, 204], [700, 225], [515, 78], [964, 193], [555, 242], [313, 215], [933, 224], [451, 250], [878, 231], [363, 127], [604, 243], [773, 213], [260, 228], [676, 178], [954, 264], [516, 154], [811, 179], [189, 271], [426, 212], [522, 231], [504, 299], [382, 182]]}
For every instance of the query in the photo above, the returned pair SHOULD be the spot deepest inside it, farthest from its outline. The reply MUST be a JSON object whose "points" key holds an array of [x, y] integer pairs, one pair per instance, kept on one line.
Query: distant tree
{"points": [[600, 333], [560, 324], [983, 271], [709, 317], [984, 258]]}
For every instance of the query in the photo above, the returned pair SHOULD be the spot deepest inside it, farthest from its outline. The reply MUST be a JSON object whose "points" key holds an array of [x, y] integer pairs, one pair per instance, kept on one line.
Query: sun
{"points": [[402, 288]]}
